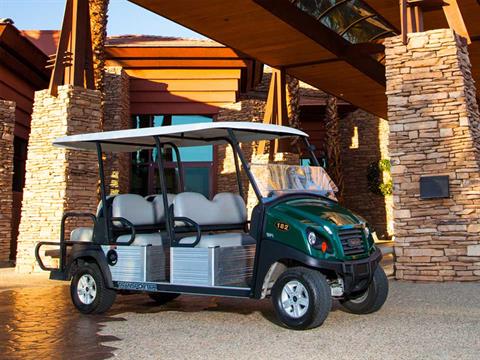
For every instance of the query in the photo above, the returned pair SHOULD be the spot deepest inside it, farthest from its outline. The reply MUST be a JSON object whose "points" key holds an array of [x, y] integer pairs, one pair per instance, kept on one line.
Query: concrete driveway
{"points": [[419, 321]]}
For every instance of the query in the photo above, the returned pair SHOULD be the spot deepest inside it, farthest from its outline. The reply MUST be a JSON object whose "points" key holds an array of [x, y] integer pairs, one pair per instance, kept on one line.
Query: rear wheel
{"points": [[301, 298], [88, 291], [162, 297], [372, 299]]}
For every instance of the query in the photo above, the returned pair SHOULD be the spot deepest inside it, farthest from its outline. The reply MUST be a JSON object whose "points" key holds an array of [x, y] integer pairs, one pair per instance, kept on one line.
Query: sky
{"points": [[124, 18]]}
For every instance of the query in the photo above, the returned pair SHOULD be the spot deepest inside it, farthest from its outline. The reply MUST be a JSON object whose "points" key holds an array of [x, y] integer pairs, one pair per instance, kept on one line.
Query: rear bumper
{"points": [[356, 274]]}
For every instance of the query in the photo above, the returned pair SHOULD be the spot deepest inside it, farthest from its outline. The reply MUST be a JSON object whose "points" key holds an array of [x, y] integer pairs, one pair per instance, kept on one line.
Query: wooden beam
{"points": [[177, 63], [418, 19], [364, 49], [404, 21], [427, 5], [23, 50], [73, 62], [276, 106], [89, 73], [172, 52], [455, 19], [411, 17], [182, 74], [327, 38], [59, 67], [21, 69]]}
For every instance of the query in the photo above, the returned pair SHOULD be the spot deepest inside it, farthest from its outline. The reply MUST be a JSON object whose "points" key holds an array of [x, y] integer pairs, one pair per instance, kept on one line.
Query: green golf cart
{"points": [[299, 246]]}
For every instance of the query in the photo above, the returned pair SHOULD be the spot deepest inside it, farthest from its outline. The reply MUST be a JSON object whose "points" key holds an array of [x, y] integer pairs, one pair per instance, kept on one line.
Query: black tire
{"points": [[372, 299], [162, 297], [319, 302], [104, 297]]}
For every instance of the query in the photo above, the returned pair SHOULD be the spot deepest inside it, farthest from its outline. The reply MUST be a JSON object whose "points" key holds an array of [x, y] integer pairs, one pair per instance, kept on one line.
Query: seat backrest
{"points": [[158, 208], [224, 209], [134, 208], [100, 205]]}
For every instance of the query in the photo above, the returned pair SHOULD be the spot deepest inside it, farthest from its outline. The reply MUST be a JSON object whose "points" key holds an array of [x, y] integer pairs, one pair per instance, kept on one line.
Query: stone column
{"points": [[364, 142], [57, 180], [434, 130], [117, 117], [7, 124]]}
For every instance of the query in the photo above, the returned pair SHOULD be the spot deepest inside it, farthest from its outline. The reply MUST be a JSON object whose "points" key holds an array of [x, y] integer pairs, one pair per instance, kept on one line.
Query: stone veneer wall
{"points": [[57, 180], [434, 130], [7, 124], [117, 117], [364, 141]]}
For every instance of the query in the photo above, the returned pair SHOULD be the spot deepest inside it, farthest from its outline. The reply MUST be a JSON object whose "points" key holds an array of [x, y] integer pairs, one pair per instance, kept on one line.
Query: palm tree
{"points": [[333, 145], [293, 101], [98, 25], [98, 21]]}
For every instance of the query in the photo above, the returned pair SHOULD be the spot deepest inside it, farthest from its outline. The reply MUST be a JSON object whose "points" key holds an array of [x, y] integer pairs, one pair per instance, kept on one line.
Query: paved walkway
{"points": [[419, 321]]}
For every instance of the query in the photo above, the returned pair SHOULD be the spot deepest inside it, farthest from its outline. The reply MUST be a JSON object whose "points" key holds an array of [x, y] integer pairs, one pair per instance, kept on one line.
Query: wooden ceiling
{"points": [[278, 34], [248, 27]]}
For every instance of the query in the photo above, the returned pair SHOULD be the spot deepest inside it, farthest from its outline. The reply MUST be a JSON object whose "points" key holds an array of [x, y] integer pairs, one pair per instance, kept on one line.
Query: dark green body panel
{"points": [[323, 216]]}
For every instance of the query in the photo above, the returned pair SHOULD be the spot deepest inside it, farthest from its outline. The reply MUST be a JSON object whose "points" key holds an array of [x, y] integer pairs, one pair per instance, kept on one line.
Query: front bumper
{"points": [[356, 274]]}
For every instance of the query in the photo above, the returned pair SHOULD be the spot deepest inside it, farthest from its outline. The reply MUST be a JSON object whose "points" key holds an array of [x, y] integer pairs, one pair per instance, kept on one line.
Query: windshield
{"points": [[276, 179]]}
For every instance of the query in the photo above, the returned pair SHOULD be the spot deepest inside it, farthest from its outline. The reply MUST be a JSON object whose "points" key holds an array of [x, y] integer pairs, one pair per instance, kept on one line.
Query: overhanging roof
{"points": [[289, 38], [181, 135], [22, 57], [289, 34]]}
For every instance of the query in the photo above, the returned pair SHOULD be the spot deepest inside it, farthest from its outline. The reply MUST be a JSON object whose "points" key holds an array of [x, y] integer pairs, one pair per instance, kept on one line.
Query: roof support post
{"points": [[103, 193], [411, 16], [163, 184], [276, 107], [73, 62], [455, 19]]}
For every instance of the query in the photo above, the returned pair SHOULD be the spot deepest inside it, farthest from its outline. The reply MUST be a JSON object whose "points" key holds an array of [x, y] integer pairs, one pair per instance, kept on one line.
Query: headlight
{"points": [[312, 238], [366, 230], [318, 243]]}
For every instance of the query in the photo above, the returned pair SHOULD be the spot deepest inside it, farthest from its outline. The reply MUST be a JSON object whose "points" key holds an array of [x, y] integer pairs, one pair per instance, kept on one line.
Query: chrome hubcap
{"points": [[295, 299], [360, 299], [86, 289]]}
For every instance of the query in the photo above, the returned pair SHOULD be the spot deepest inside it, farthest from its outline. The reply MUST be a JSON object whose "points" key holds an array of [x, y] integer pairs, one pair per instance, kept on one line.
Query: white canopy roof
{"points": [[181, 135]]}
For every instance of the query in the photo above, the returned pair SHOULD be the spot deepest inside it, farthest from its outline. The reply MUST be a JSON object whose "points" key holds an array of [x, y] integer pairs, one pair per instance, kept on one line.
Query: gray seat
{"points": [[223, 209], [83, 233], [133, 208], [158, 208]]}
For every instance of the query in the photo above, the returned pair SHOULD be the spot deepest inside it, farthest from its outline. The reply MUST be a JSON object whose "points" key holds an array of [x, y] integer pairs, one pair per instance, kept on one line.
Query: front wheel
{"points": [[88, 291], [301, 298], [372, 299]]}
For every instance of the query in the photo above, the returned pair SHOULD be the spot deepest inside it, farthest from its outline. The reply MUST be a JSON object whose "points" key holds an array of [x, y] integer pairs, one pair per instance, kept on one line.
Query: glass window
{"points": [[197, 179], [193, 153], [340, 16]]}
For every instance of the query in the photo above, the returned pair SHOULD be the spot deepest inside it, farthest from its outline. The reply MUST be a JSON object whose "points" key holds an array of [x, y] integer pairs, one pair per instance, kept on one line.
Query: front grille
{"points": [[352, 241]]}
